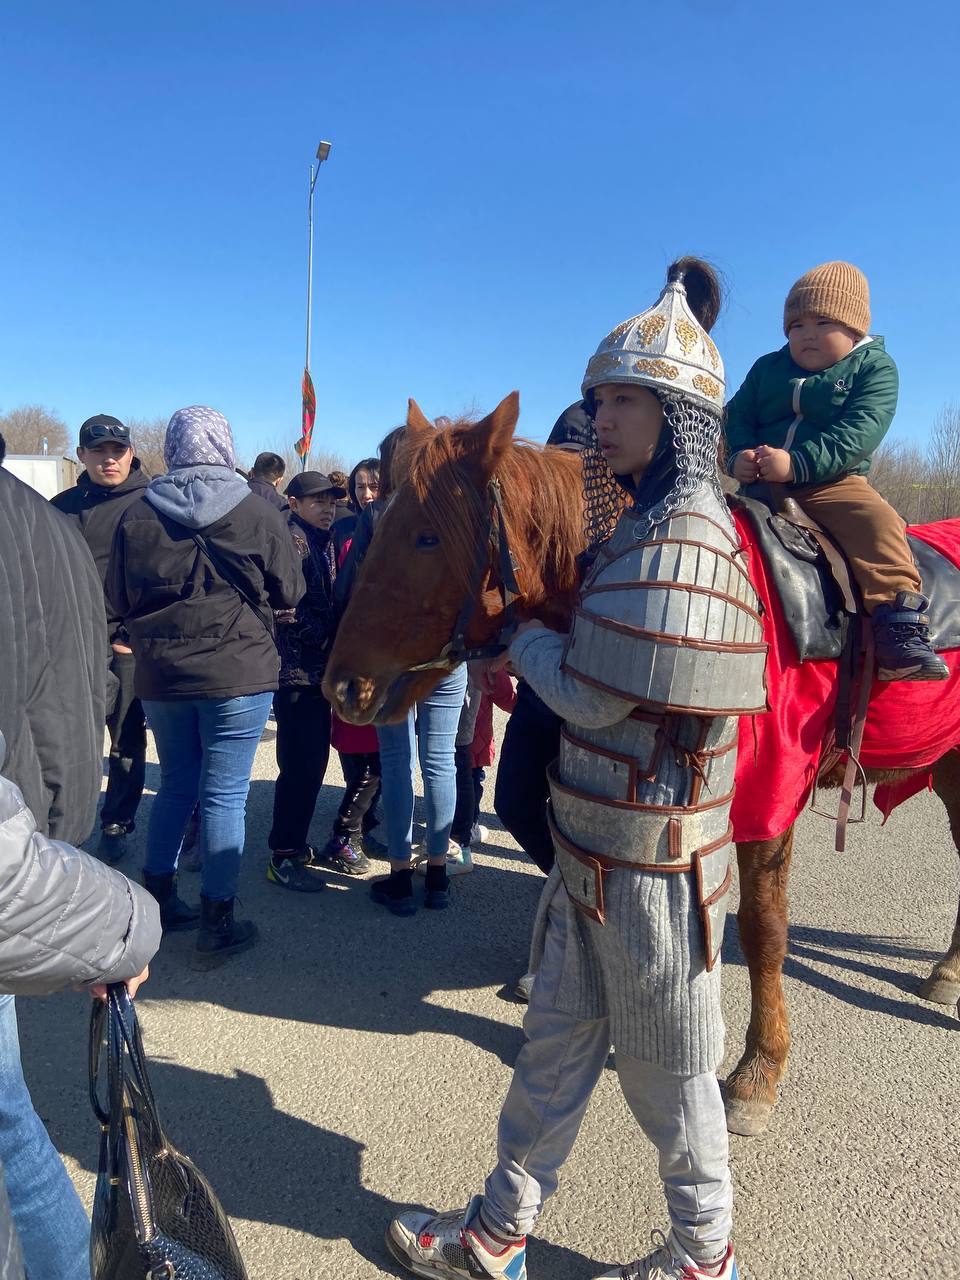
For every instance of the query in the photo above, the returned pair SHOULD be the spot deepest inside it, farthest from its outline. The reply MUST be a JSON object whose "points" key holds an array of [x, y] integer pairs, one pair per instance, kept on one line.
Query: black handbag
{"points": [[155, 1216]]}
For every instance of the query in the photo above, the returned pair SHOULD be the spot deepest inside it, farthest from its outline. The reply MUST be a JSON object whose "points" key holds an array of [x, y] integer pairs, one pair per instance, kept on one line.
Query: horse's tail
{"points": [[702, 283]]}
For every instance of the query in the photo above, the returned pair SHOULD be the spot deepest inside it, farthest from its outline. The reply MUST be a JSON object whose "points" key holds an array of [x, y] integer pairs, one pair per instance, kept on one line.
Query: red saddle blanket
{"points": [[909, 726]]}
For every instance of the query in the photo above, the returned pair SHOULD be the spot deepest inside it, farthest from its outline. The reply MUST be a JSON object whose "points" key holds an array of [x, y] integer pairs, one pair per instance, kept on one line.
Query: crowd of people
{"points": [[196, 602]]}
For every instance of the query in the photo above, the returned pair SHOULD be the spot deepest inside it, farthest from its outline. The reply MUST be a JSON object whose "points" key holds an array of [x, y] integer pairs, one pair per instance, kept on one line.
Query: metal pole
{"points": [[313, 182]]}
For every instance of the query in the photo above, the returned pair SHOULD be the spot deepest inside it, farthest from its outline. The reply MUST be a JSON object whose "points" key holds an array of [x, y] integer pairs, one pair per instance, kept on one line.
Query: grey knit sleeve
{"points": [[536, 655]]}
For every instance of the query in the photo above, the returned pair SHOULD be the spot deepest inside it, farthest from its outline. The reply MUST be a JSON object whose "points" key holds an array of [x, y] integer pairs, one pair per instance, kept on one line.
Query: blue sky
{"points": [[507, 182]]}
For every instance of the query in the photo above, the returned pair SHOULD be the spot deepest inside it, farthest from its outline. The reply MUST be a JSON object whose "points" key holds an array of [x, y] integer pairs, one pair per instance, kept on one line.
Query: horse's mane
{"points": [[542, 500]]}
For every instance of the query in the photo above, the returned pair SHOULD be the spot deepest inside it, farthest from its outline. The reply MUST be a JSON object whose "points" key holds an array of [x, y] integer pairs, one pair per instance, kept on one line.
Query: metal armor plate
{"points": [[672, 621]]}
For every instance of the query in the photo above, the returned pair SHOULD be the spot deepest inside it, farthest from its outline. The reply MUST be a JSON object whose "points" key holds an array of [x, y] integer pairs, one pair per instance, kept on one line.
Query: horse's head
{"points": [[432, 569]]}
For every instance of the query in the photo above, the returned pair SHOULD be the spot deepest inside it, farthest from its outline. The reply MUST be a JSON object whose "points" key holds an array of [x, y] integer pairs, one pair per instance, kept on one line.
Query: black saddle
{"points": [[812, 601]]}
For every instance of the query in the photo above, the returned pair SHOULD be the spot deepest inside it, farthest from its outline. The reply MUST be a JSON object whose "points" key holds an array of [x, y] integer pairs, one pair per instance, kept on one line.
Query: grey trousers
{"points": [[556, 1072]]}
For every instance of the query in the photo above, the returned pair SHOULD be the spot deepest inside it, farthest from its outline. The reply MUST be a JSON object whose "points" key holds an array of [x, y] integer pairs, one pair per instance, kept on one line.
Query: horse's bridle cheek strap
{"points": [[493, 548]]}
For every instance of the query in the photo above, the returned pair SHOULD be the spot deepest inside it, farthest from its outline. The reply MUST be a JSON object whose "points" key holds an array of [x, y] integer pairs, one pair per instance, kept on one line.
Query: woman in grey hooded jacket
{"points": [[66, 920], [198, 565]]}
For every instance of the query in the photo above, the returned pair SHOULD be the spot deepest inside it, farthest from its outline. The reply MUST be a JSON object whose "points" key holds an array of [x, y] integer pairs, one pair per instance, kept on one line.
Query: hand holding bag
{"points": [[155, 1216]]}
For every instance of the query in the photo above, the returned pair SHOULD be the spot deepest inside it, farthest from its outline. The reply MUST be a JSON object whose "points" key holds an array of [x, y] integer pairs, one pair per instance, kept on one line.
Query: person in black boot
{"points": [[220, 936], [175, 914], [395, 891], [198, 567], [111, 481]]}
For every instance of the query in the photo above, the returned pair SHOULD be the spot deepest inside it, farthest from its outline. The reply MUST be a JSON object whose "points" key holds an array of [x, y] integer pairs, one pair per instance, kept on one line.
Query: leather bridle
{"points": [[493, 547]]}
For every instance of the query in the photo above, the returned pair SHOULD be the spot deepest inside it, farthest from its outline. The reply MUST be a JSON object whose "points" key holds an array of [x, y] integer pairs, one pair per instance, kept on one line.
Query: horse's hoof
{"points": [[748, 1119], [940, 990]]}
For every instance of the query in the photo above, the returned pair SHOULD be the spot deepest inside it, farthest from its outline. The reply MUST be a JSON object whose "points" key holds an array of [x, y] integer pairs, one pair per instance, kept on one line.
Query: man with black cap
{"points": [[303, 713], [112, 479]]}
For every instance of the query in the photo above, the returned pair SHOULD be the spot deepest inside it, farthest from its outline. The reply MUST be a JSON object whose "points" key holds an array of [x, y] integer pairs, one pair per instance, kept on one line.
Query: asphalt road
{"points": [[353, 1065]]}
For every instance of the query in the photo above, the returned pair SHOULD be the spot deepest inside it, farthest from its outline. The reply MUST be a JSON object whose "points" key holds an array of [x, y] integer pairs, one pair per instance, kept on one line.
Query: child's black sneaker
{"points": [[300, 871], [341, 855], [903, 650]]}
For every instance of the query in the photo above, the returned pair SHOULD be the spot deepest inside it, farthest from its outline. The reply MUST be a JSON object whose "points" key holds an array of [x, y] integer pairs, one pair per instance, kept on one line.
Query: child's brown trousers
{"points": [[870, 533]]}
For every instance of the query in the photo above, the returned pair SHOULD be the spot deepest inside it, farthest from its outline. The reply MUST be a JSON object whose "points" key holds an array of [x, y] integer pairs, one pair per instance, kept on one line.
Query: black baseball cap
{"points": [[573, 429], [102, 427], [306, 483]]}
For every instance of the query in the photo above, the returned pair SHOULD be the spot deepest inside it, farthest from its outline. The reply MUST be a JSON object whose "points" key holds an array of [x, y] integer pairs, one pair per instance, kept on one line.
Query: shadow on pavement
{"points": [[834, 947]]}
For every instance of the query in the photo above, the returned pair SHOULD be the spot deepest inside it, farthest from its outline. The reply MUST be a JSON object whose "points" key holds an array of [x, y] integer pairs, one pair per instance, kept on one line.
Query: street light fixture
{"points": [[322, 152]]}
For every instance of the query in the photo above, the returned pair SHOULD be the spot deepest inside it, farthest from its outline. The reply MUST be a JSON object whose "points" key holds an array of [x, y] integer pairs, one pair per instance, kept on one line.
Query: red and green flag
{"points": [[308, 416]]}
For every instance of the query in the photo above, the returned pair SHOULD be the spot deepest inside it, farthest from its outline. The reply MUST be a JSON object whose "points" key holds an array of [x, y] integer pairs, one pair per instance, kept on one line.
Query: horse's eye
{"points": [[427, 541]]}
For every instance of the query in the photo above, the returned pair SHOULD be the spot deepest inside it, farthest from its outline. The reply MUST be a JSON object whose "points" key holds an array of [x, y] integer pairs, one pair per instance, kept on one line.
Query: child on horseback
{"points": [[809, 416], [649, 683]]}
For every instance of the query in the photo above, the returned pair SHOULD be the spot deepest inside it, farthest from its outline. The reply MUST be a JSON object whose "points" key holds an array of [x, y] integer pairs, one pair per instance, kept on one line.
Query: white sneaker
{"points": [[478, 835], [443, 1245], [459, 860], [662, 1265]]}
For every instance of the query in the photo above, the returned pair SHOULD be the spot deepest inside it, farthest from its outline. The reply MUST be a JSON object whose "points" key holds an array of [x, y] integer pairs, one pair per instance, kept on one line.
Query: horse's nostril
{"points": [[343, 692]]}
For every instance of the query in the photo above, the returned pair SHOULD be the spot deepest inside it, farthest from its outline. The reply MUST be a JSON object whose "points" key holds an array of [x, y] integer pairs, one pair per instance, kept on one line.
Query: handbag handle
{"points": [[117, 1015]]}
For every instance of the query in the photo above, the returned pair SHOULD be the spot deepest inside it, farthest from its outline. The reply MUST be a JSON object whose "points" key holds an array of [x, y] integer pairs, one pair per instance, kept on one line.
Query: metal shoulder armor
{"points": [[668, 617]]}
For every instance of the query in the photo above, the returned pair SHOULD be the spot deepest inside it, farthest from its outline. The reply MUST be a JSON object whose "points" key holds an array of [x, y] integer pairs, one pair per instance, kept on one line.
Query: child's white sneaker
{"points": [[662, 1265], [443, 1245], [459, 860]]}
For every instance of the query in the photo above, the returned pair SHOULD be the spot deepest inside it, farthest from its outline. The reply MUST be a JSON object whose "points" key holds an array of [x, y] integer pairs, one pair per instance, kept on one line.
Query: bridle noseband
{"points": [[492, 545]]}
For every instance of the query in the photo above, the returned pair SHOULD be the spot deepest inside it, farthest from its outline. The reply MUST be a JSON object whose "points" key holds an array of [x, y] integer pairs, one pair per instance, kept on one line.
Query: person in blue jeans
{"points": [[198, 565], [434, 736], [52, 1227], [65, 920]]}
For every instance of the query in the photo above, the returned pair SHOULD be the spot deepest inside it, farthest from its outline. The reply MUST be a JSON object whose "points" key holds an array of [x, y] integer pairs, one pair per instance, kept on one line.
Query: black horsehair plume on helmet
{"points": [[702, 285]]}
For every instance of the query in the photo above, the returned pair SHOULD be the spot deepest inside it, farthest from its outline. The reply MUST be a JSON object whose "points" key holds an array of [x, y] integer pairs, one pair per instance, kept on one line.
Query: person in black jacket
{"points": [[265, 478], [54, 649], [65, 918], [302, 711], [112, 479], [198, 564]]}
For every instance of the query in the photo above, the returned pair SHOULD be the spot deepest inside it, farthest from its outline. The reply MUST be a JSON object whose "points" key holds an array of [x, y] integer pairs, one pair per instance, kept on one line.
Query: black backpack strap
{"points": [[227, 576]]}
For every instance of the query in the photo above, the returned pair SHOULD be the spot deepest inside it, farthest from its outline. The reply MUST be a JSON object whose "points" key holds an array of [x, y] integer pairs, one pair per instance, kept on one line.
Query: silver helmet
{"points": [[665, 348], [668, 350]]}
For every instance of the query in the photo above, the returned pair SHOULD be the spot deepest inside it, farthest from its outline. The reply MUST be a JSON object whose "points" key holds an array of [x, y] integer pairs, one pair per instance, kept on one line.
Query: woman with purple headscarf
{"points": [[199, 563]]}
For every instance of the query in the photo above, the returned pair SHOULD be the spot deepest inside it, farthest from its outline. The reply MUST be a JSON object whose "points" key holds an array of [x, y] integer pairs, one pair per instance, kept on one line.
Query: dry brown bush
{"points": [[25, 428]]}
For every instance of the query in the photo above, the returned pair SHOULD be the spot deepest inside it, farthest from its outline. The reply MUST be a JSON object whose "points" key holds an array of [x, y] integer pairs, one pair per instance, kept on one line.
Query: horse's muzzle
{"points": [[356, 699]]}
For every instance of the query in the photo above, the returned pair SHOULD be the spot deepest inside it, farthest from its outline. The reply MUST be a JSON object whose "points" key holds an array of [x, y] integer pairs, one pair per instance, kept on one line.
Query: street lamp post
{"points": [[323, 150]]}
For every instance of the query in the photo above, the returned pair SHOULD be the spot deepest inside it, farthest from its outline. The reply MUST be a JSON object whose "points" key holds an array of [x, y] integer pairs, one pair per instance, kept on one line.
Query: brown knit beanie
{"points": [[837, 290]]}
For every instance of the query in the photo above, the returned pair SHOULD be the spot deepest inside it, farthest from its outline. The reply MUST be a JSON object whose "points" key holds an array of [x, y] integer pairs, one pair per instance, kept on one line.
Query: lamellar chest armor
{"points": [[669, 621]]}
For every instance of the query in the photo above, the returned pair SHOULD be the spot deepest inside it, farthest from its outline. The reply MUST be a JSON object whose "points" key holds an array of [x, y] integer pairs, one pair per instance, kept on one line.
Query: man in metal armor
{"points": [[664, 652]]}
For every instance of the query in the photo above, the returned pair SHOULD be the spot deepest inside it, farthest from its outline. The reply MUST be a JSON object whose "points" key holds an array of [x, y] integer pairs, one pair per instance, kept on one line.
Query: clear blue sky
{"points": [[507, 182]]}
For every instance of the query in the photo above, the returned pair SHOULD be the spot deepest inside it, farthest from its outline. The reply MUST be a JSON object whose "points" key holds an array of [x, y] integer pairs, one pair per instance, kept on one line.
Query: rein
{"points": [[492, 544]]}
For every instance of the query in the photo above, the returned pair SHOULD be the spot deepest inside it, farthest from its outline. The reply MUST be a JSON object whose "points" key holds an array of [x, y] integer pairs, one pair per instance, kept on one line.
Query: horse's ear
{"points": [[489, 440], [419, 427]]}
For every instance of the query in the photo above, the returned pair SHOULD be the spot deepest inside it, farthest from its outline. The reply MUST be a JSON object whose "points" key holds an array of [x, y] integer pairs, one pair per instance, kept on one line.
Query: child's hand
{"points": [[775, 465], [745, 467]]}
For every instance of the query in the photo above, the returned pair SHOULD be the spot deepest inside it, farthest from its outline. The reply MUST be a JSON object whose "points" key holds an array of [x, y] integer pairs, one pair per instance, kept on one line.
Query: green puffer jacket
{"points": [[846, 411]]}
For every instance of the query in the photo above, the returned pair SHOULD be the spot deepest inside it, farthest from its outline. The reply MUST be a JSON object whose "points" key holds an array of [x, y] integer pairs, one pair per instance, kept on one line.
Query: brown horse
{"points": [[432, 555]]}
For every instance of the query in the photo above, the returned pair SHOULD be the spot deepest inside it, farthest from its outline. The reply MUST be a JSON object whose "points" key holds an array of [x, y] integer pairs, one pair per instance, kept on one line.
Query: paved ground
{"points": [[354, 1064]]}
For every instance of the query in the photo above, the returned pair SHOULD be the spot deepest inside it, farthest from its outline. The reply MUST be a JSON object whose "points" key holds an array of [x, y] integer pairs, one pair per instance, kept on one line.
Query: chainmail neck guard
{"points": [[685, 459]]}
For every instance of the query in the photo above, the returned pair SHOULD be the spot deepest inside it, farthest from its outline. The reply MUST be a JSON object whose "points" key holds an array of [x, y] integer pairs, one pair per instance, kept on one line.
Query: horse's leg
{"points": [[751, 1088], [943, 984]]}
